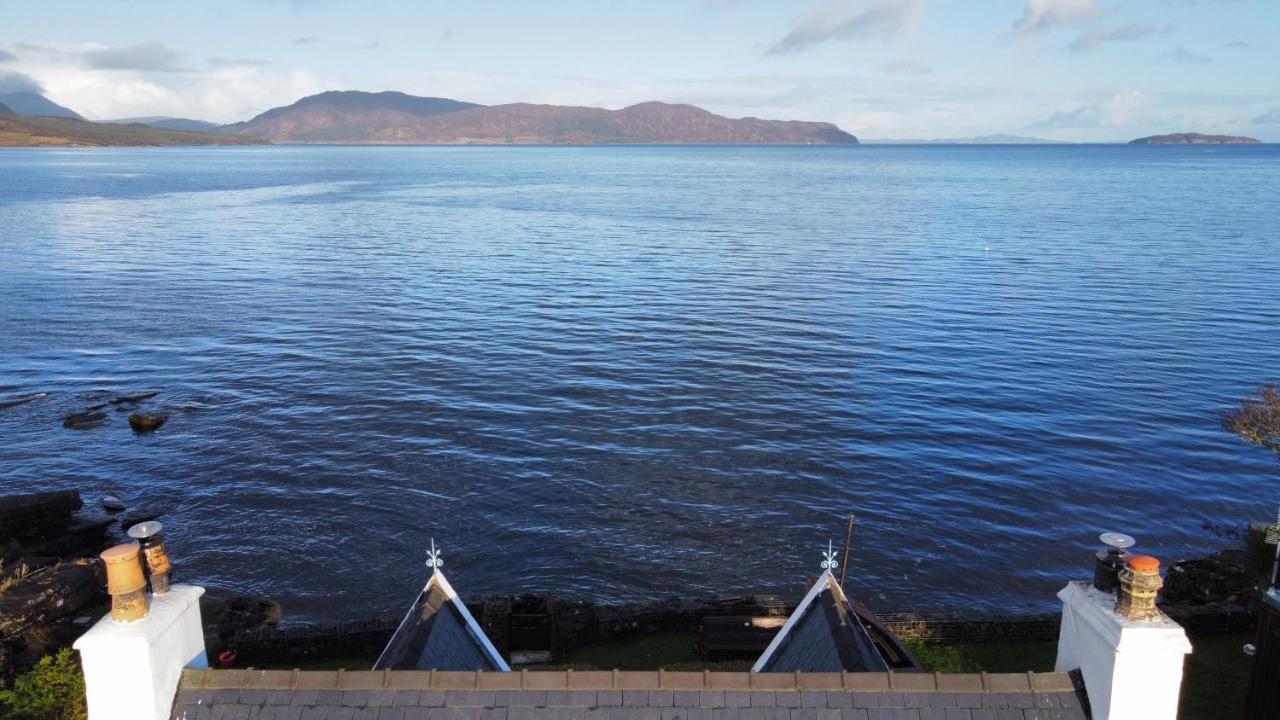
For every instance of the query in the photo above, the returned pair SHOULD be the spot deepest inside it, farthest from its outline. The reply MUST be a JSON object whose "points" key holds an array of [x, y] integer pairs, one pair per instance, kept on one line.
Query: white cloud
{"points": [[1117, 110], [1095, 38], [1040, 15], [850, 20], [13, 82], [124, 82]]}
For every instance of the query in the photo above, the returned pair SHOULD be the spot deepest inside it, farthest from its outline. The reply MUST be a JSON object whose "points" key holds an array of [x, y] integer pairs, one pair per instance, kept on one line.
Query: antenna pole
{"points": [[848, 538], [1275, 564]]}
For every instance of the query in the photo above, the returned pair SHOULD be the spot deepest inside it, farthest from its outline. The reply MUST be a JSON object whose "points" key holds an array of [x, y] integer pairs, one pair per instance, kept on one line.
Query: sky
{"points": [[1088, 70]]}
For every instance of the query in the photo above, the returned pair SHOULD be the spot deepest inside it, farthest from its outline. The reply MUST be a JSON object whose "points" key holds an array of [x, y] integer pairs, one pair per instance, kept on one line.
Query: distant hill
{"points": [[30, 131], [396, 118], [168, 123], [32, 103], [999, 139], [1195, 139], [4, 109]]}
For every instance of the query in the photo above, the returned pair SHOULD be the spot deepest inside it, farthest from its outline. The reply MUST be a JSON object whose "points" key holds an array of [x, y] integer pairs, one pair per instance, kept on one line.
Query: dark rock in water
{"points": [[13, 402], [1221, 577], [248, 613], [145, 423], [111, 503], [84, 420], [134, 398], [36, 513], [141, 515]]}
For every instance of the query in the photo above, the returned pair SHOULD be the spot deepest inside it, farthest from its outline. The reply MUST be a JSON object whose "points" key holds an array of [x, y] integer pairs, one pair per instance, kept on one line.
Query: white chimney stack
{"points": [[1132, 668], [131, 669]]}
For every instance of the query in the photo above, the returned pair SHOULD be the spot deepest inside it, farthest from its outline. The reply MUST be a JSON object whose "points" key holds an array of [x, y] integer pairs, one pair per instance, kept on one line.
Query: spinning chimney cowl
{"points": [[157, 561]]}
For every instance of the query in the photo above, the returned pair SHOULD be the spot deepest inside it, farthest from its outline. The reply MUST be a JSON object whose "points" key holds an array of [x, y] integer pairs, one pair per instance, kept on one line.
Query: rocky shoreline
{"points": [[52, 589]]}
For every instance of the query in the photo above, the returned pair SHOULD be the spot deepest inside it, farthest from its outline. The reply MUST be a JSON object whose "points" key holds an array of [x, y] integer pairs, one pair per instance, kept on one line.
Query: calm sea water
{"points": [[626, 373]]}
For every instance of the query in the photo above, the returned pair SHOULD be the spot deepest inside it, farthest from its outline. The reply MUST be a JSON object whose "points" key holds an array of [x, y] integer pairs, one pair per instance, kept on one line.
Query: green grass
{"points": [[1216, 678], [996, 657], [1214, 683]]}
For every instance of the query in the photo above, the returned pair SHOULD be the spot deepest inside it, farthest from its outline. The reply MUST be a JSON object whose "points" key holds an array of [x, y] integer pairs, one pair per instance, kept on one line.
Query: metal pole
{"points": [[848, 537]]}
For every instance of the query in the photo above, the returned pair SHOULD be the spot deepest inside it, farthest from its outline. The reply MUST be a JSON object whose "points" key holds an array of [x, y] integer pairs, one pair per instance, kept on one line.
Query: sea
{"points": [[622, 374]]}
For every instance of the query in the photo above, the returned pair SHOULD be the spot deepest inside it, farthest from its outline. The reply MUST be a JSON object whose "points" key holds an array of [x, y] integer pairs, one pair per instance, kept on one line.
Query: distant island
{"points": [[1195, 139], [397, 118]]}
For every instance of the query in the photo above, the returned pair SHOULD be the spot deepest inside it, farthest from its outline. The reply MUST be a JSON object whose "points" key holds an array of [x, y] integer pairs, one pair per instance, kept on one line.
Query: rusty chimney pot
{"points": [[1139, 584], [157, 562], [125, 583]]}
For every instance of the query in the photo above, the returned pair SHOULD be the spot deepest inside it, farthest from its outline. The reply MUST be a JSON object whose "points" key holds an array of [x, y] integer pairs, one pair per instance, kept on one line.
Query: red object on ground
{"points": [[226, 658]]}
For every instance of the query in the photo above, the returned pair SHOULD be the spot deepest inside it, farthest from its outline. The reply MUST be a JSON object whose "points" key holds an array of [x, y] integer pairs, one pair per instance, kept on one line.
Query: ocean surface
{"points": [[625, 373]]}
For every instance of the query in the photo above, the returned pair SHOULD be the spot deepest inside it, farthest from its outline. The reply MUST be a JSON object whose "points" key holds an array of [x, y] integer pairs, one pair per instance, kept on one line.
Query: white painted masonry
{"points": [[1132, 669], [131, 670]]}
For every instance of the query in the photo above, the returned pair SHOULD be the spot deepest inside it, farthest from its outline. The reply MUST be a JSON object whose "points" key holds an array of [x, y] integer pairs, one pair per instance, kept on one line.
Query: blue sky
{"points": [[1062, 69]]}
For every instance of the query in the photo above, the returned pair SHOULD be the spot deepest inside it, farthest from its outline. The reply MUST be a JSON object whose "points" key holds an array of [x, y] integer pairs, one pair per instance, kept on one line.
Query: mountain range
{"points": [[33, 103], [386, 118], [395, 118], [389, 118], [169, 123]]}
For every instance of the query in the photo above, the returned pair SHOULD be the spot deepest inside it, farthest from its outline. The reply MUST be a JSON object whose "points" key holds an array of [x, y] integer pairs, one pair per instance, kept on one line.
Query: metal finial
{"points": [[434, 561], [830, 562]]}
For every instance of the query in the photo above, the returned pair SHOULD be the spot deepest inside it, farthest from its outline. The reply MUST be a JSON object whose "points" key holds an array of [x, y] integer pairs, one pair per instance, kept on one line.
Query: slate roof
{"points": [[561, 695], [824, 634], [438, 633]]}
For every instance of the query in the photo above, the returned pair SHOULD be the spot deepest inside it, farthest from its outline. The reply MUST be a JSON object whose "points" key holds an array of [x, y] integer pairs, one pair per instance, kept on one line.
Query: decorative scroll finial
{"points": [[434, 561], [829, 563]]}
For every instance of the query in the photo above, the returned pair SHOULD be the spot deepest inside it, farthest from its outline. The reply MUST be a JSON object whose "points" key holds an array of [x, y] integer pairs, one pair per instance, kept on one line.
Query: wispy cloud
{"points": [[1093, 39], [6, 56], [1183, 55], [12, 82], [906, 67], [1237, 45], [446, 34], [1041, 15], [849, 20], [148, 57], [305, 41], [1117, 109], [1271, 117]]}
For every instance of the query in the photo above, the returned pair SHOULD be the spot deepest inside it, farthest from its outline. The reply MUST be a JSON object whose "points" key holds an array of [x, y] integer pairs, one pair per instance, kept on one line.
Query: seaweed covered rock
{"points": [[1223, 577], [146, 422]]}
